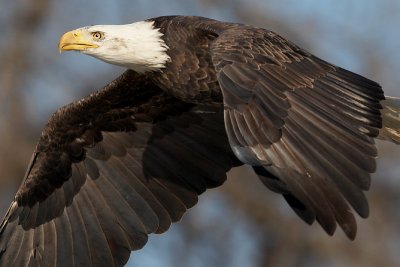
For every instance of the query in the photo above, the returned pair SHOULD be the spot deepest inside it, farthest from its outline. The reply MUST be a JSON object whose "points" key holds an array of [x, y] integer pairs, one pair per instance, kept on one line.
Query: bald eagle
{"points": [[199, 97]]}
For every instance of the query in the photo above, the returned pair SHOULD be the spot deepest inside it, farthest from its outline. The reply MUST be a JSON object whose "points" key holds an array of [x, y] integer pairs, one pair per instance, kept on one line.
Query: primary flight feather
{"points": [[199, 97]]}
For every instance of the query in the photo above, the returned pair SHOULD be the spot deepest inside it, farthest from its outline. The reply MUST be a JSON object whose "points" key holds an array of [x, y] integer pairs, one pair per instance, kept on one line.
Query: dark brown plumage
{"points": [[129, 159]]}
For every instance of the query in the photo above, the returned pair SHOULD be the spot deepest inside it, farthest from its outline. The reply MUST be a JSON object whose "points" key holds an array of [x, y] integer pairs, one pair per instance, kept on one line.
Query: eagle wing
{"points": [[109, 170], [305, 125]]}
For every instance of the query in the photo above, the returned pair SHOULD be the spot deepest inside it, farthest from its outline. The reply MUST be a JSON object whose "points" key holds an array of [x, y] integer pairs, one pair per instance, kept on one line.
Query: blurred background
{"points": [[241, 223]]}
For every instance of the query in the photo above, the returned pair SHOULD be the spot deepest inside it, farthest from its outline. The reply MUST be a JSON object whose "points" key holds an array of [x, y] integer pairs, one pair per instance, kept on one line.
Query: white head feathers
{"points": [[136, 46]]}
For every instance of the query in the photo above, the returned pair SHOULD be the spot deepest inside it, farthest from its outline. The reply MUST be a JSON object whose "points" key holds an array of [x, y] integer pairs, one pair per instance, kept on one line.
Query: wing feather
{"points": [[100, 252], [99, 183], [65, 243], [305, 125]]}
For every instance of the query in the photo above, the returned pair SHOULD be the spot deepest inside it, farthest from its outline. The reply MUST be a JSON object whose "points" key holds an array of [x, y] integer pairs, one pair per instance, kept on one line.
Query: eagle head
{"points": [[138, 46]]}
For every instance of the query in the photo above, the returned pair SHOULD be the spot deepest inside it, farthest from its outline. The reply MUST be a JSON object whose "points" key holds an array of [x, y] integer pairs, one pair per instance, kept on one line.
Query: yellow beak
{"points": [[75, 40]]}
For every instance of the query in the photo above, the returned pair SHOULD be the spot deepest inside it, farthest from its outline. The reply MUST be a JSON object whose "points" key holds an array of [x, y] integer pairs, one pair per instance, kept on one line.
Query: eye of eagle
{"points": [[98, 35]]}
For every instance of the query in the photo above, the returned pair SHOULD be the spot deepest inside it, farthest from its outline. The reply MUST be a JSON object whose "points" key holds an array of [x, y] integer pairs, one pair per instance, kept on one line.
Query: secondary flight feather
{"points": [[199, 97]]}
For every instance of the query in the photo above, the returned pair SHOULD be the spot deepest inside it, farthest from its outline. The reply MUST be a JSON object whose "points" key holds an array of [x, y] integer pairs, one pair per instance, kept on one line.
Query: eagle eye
{"points": [[97, 35]]}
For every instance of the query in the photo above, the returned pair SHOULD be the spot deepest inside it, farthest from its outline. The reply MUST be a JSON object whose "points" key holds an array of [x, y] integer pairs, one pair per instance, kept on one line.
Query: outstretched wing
{"points": [[110, 169], [307, 126]]}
